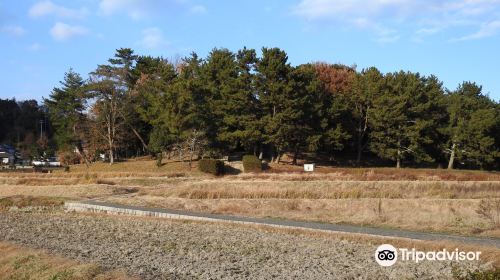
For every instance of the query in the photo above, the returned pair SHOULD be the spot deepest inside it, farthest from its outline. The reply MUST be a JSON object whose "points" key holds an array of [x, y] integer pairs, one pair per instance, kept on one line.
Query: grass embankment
{"points": [[26, 264], [414, 205], [140, 167]]}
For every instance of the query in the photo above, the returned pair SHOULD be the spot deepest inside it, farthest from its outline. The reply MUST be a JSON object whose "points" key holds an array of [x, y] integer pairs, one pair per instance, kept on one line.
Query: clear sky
{"points": [[455, 40]]}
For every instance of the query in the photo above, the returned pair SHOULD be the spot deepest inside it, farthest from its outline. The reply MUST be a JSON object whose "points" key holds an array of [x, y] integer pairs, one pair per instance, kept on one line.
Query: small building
{"points": [[8, 155]]}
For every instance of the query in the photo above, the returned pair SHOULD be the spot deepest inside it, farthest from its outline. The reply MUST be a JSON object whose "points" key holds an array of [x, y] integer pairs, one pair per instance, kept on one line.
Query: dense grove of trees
{"points": [[26, 125], [240, 102]]}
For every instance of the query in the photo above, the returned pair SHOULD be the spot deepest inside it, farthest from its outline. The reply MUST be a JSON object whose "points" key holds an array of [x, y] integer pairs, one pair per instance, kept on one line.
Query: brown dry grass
{"points": [[440, 206], [22, 263], [133, 167], [434, 215], [385, 174], [145, 167], [21, 201], [284, 189], [67, 192]]}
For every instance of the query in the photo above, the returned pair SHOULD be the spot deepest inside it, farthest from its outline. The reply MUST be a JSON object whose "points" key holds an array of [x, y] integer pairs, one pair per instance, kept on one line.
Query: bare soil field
{"points": [[161, 249]]}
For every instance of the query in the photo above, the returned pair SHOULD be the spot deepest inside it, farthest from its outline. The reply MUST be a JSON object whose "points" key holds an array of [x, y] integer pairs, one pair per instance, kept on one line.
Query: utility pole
{"points": [[41, 129]]}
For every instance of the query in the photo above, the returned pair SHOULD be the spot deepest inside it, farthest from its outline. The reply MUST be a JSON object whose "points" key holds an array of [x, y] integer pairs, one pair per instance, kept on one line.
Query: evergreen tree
{"points": [[399, 119], [220, 74], [472, 120], [160, 106], [272, 84], [109, 85], [66, 106], [366, 87]]}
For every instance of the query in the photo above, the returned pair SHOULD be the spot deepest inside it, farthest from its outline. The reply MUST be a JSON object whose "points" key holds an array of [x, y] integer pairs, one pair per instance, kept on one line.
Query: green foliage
{"points": [[212, 166], [234, 105], [252, 163], [401, 119], [158, 140], [159, 158], [66, 106], [241, 102], [472, 121]]}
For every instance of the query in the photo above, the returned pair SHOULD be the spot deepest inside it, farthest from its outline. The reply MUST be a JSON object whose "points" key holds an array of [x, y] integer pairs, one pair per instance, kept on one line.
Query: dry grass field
{"points": [[22, 263], [460, 202]]}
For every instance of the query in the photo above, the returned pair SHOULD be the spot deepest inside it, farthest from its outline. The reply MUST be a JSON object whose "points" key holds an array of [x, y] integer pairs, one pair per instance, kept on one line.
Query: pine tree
{"points": [[366, 87], [66, 106], [399, 119], [272, 84], [109, 85], [472, 120]]}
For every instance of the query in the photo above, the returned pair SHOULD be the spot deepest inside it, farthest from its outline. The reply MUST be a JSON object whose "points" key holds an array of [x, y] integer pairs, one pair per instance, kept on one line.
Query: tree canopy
{"points": [[258, 103]]}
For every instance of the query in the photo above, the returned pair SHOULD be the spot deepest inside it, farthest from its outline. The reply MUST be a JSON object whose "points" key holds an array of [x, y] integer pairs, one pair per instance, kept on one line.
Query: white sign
{"points": [[309, 167]]}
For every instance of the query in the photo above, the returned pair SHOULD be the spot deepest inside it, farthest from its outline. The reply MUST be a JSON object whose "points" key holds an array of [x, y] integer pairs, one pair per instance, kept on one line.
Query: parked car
{"points": [[53, 162], [50, 162]]}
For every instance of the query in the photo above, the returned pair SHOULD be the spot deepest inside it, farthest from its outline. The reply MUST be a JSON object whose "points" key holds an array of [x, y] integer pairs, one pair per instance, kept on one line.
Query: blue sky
{"points": [[455, 40]]}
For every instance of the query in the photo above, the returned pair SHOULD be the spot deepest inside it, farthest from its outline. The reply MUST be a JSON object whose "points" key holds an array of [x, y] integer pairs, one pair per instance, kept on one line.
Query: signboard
{"points": [[309, 167]]}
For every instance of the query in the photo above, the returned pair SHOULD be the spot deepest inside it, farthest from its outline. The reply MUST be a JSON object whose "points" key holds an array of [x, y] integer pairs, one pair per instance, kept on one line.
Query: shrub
{"points": [[212, 166], [68, 158], [252, 163], [159, 158]]}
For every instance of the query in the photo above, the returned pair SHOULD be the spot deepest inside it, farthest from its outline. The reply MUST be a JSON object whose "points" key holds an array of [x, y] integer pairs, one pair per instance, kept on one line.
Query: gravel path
{"points": [[484, 241], [166, 249]]}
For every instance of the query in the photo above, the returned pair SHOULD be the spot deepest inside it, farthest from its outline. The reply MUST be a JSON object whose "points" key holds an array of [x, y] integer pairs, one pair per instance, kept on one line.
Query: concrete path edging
{"points": [[112, 208]]}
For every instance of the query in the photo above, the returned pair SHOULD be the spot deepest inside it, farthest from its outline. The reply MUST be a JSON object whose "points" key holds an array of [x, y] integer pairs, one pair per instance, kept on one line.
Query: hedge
{"points": [[252, 163], [212, 166]]}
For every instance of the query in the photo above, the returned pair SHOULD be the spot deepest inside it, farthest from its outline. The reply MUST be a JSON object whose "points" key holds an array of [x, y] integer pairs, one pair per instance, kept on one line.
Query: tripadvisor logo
{"points": [[387, 255]]}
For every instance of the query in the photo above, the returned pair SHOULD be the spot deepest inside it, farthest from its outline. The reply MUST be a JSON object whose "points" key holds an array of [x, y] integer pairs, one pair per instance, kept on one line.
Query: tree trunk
{"points": [[452, 156], [111, 156], [191, 154], [278, 155], [278, 158], [360, 149], [190, 159], [295, 155], [144, 146], [398, 161]]}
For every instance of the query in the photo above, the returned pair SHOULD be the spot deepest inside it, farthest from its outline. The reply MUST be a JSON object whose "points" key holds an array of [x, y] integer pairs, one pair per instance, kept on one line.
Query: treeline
{"points": [[25, 126], [240, 102]]}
